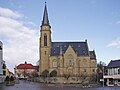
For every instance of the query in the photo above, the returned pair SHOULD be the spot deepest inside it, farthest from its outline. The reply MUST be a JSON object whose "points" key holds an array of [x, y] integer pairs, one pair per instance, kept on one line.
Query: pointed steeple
{"points": [[45, 20]]}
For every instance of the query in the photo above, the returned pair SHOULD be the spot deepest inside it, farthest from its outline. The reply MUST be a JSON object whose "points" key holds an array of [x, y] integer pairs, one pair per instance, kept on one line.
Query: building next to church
{"points": [[2, 64], [70, 60], [25, 70], [112, 78]]}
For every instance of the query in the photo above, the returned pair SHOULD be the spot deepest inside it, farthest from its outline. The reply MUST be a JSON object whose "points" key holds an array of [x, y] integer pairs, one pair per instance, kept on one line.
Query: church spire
{"points": [[45, 16]]}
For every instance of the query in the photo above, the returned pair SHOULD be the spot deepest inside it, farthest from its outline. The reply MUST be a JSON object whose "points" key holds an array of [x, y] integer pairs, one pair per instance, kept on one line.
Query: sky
{"points": [[98, 21]]}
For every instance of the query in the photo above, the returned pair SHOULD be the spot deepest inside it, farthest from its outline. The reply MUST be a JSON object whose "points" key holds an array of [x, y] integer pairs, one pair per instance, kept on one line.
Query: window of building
{"points": [[115, 71], [84, 70], [45, 52], [93, 70], [4, 66], [84, 63], [65, 46], [119, 71], [110, 71], [0, 47], [54, 63], [78, 45], [70, 60], [4, 72], [45, 40]]}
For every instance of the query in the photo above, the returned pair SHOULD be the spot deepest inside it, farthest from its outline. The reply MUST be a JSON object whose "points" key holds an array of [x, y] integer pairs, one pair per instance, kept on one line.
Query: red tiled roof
{"points": [[25, 66]]}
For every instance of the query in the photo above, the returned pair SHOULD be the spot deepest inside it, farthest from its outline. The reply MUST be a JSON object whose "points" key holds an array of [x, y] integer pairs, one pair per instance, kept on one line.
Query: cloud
{"points": [[32, 23], [115, 43], [20, 42], [5, 12]]}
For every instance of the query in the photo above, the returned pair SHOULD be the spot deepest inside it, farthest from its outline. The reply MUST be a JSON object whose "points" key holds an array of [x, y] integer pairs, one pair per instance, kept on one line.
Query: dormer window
{"points": [[78, 45]]}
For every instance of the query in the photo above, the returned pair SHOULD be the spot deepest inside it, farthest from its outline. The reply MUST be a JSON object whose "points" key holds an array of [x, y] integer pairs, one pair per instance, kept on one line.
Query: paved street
{"points": [[37, 86]]}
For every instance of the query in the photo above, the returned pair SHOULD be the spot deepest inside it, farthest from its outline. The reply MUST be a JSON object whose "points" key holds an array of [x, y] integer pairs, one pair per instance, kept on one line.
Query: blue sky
{"points": [[98, 21]]}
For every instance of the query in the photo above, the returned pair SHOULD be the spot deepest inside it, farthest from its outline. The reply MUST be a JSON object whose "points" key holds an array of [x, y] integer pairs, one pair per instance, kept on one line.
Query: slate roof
{"points": [[114, 63], [45, 17], [92, 55], [80, 48]]}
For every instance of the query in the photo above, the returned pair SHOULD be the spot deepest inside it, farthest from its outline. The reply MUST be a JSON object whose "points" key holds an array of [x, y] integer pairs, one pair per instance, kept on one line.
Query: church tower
{"points": [[45, 42]]}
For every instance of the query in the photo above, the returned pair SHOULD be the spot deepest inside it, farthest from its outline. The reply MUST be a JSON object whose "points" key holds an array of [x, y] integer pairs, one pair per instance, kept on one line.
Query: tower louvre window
{"points": [[45, 40], [45, 52]]}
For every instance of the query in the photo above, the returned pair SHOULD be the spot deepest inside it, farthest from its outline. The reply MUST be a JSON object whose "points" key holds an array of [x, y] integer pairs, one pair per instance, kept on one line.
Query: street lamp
{"points": [[103, 77]]}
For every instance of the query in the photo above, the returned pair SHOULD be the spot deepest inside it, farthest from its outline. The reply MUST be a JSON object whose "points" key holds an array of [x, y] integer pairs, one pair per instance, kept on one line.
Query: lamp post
{"points": [[25, 70], [103, 77]]}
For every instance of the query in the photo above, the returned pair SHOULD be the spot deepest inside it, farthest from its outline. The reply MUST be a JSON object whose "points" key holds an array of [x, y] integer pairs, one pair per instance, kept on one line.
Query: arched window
{"points": [[45, 39], [85, 63], [70, 60], [54, 63]]}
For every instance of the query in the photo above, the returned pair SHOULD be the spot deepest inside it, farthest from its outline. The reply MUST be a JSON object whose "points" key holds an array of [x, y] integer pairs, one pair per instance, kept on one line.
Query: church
{"points": [[70, 61]]}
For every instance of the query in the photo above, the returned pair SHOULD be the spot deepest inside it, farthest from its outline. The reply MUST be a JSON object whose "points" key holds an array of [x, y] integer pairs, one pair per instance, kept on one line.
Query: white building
{"points": [[2, 65], [113, 73]]}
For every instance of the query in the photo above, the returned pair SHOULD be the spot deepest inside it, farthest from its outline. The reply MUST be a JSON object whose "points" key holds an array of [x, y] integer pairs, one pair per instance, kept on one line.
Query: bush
{"points": [[11, 78], [7, 78], [53, 73], [45, 73]]}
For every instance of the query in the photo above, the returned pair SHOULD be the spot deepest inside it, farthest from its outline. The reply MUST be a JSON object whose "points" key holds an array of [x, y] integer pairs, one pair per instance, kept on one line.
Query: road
{"points": [[25, 85]]}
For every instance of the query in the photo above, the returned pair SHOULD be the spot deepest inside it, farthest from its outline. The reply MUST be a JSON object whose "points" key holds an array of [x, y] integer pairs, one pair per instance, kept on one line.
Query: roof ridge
{"points": [[70, 42], [116, 60]]}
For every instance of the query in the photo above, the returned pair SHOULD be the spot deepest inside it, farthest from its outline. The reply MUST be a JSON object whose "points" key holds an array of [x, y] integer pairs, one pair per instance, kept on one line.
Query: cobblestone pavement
{"points": [[25, 85]]}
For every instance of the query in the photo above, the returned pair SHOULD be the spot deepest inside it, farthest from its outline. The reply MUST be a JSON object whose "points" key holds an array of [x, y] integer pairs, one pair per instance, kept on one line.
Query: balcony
{"points": [[112, 76]]}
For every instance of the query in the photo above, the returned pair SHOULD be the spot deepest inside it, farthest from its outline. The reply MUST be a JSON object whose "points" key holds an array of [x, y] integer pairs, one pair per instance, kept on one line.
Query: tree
{"points": [[93, 78], [18, 74], [35, 74], [53, 73], [100, 71], [11, 78], [45, 73], [100, 65], [66, 76], [7, 78]]}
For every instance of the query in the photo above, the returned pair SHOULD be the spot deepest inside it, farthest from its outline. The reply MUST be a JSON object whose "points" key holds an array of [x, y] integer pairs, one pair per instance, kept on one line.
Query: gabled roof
{"points": [[114, 63], [25, 66], [92, 55], [80, 48]]}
